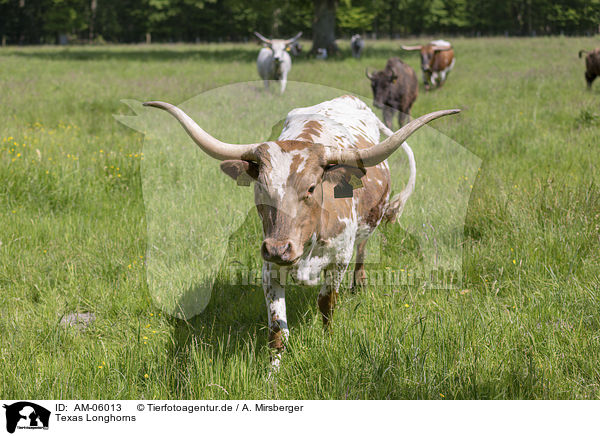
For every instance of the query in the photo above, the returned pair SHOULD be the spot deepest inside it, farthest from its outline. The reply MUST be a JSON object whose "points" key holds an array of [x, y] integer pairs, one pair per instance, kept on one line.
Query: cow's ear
{"points": [[345, 178], [242, 171]]}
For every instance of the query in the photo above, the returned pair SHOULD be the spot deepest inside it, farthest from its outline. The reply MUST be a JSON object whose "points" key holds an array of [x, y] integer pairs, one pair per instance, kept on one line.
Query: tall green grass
{"points": [[524, 324]]}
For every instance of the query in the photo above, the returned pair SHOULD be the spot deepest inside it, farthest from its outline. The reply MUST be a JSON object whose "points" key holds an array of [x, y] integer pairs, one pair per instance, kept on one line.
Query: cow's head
{"points": [[278, 46], [292, 177], [428, 52], [382, 83]]}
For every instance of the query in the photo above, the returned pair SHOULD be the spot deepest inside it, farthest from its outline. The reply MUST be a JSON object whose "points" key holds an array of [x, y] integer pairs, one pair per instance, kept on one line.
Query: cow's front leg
{"points": [[329, 291], [360, 276], [388, 116], [283, 81], [403, 118], [589, 78], [273, 281]]}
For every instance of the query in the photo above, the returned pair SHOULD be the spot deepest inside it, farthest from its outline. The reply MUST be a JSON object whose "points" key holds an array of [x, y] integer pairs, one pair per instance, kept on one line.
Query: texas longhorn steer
{"points": [[592, 65], [437, 60], [274, 61], [320, 190]]}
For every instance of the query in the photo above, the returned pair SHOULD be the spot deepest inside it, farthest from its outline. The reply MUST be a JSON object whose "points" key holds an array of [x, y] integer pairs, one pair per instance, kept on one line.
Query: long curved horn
{"points": [[263, 39], [412, 47], [294, 39], [372, 156], [211, 146], [369, 75]]}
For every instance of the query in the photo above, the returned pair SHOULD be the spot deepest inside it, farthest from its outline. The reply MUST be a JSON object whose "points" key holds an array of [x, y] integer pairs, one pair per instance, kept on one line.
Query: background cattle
{"points": [[395, 88], [320, 190], [321, 53], [274, 62], [437, 60], [592, 65], [295, 48], [357, 44]]}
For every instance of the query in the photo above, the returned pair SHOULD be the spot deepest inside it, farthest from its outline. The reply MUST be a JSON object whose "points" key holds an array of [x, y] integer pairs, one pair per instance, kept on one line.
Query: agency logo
{"points": [[26, 415]]}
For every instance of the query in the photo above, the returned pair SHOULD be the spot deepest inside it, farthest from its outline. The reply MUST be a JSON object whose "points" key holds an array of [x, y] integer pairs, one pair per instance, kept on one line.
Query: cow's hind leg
{"points": [[442, 78], [275, 300], [329, 291], [360, 276], [445, 73]]}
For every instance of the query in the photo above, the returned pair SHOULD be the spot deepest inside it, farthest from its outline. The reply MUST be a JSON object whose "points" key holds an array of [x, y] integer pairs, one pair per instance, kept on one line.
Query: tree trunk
{"points": [[324, 27], [93, 6], [277, 23]]}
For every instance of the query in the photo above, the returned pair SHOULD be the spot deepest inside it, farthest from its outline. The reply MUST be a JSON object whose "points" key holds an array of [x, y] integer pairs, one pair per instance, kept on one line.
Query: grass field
{"points": [[525, 322]]}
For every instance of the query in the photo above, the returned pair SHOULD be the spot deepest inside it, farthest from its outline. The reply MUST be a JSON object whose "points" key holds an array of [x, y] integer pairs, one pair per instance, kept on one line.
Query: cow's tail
{"points": [[582, 52], [396, 204]]}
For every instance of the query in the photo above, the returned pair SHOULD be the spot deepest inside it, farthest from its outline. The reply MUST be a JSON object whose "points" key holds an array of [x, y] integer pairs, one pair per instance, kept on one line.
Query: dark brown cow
{"points": [[437, 60], [395, 88], [592, 65], [320, 191]]}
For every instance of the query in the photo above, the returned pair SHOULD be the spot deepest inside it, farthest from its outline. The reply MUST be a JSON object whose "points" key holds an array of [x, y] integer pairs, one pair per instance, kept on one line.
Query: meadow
{"points": [[524, 323]]}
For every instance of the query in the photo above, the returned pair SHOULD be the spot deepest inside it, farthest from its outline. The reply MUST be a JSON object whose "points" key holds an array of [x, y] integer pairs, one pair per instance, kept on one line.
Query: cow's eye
{"points": [[311, 189]]}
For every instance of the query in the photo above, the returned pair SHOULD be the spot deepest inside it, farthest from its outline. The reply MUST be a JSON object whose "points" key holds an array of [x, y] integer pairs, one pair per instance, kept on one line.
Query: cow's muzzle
{"points": [[280, 252]]}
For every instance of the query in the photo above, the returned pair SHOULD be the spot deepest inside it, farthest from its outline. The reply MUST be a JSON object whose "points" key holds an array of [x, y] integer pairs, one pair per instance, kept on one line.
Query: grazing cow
{"points": [[592, 65], [357, 44], [395, 88], [321, 189], [437, 60], [295, 48], [321, 53], [274, 62]]}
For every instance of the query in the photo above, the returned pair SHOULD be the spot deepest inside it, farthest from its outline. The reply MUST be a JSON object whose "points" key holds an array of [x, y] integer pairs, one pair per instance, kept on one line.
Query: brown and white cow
{"points": [[437, 60], [592, 65], [320, 190]]}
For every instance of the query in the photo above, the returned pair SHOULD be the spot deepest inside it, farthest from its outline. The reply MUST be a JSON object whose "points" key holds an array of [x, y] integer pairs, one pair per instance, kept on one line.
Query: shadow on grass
{"points": [[150, 54], [210, 53], [233, 327], [236, 315]]}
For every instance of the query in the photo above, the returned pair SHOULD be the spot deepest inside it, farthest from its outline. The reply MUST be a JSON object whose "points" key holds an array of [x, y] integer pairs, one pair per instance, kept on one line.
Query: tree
{"points": [[355, 16], [324, 26]]}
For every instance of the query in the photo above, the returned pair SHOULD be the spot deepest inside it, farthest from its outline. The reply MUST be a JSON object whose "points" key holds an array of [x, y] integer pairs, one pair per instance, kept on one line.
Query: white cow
{"points": [[274, 61]]}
